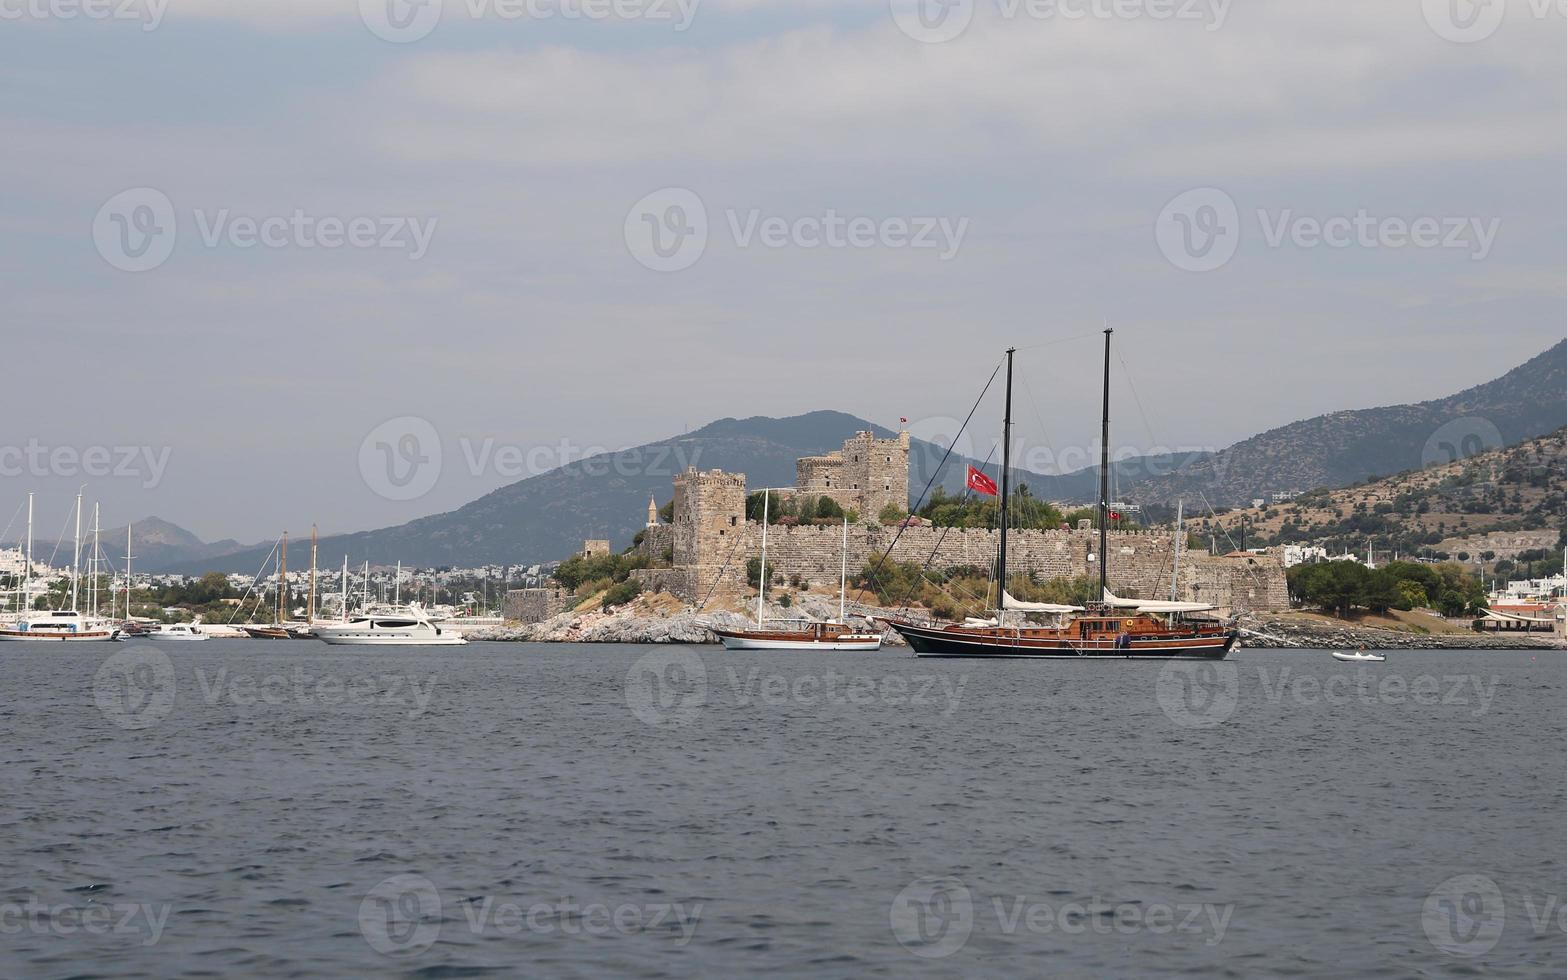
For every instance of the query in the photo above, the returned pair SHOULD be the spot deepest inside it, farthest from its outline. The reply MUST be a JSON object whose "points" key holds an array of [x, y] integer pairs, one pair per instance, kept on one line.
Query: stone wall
{"points": [[1141, 562], [657, 541], [535, 605], [712, 543]]}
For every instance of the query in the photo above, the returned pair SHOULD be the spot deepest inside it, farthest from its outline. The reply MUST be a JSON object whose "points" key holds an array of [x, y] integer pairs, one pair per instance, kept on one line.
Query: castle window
{"points": [[733, 521]]}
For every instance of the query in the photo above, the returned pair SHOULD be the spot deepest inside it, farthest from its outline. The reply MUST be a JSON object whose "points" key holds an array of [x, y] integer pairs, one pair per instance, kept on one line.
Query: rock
{"points": [[633, 624]]}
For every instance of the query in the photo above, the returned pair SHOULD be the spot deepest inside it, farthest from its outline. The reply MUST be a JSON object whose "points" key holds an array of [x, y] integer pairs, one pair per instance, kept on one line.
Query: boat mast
{"points": [[282, 585], [1180, 539], [128, 572], [76, 561], [1104, 481], [843, 570], [27, 580], [92, 564], [310, 603], [1006, 489], [761, 592], [397, 585], [367, 585], [345, 587]]}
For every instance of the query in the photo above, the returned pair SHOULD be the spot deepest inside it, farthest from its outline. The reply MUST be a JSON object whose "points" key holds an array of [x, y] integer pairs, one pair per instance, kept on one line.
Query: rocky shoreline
{"points": [[1259, 632], [652, 622], [643, 622]]}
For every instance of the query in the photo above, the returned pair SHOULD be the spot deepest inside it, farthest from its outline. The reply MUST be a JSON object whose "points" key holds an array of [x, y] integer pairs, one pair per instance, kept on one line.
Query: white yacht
{"points": [[182, 632], [408, 627], [58, 625]]}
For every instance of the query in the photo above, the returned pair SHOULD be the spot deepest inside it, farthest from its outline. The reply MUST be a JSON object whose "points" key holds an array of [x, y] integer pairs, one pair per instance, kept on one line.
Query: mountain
{"points": [[155, 544], [1347, 447], [547, 517], [1500, 501]]}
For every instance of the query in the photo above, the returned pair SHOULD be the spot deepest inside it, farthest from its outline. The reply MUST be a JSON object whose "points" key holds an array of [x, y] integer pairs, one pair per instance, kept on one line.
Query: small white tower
{"points": [[652, 512]]}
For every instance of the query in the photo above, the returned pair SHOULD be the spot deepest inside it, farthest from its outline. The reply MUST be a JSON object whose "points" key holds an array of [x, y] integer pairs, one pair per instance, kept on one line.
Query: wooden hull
{"points": [[273, 633], [798, 640], [1042, 644]]}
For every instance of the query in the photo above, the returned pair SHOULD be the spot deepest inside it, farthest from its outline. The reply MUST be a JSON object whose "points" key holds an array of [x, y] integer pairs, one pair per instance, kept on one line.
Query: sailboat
{"points": [[1117, 628], [61, 624], [837, 635], [281, 629]]}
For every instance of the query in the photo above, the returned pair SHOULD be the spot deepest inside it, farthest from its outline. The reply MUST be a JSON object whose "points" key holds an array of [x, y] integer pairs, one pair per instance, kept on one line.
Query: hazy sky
{"points": [[596, 232]]}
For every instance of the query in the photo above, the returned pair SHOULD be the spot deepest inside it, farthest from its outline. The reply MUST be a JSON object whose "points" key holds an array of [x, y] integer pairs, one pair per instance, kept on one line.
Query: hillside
{"points": [[1346, 447], [1500, 502], [155, 544], [548, 516]]}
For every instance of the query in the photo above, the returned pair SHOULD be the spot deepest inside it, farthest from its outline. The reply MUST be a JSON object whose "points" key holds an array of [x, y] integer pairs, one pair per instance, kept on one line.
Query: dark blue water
{"points": [[289, 809]]}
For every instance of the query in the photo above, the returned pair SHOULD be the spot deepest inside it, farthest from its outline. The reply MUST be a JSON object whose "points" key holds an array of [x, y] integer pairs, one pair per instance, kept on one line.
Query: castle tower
{"points": [[865, 475], [710, 530], [652, 512]]}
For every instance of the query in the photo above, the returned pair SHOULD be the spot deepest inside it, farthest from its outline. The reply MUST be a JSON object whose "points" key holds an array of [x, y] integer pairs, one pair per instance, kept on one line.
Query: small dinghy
{"points": [[1359, 656]]}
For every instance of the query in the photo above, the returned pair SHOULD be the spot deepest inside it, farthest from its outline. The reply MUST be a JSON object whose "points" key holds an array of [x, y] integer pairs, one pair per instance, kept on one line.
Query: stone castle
{"points": [[710, 541]]}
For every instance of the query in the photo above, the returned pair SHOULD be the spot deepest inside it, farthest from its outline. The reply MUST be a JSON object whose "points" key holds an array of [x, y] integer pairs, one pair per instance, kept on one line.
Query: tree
{"points": [[892, 514]]}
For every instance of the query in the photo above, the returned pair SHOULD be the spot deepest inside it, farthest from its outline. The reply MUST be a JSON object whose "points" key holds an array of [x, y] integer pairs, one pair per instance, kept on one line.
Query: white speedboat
{"points": [[181, 632], [406, 628], [1359, 656], [66, 625]]}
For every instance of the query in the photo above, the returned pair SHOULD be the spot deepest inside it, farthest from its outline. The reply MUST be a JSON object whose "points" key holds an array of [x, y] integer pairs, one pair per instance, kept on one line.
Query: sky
{"points": [[269, 263]]}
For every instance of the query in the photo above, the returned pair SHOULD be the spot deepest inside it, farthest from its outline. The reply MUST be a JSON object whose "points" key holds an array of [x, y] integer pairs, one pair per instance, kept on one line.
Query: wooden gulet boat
{"points": [[1110, 629], [808, 635]]}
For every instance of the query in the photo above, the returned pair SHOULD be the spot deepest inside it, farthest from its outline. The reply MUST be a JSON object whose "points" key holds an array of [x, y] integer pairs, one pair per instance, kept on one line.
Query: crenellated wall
{"points": [[712, 543]]}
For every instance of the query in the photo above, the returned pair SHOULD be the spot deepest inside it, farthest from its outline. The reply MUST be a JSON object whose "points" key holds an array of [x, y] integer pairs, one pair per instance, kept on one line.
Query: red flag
{"points": [[980, 483], [1115, 515]]}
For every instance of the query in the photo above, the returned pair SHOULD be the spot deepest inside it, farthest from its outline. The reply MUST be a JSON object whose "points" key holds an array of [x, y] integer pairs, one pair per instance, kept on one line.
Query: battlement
{"points": [[710, 478]]}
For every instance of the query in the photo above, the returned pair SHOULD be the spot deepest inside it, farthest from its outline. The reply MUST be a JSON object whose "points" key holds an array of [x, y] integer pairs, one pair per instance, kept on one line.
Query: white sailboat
{"points": [[801, 635], [59, 625]]}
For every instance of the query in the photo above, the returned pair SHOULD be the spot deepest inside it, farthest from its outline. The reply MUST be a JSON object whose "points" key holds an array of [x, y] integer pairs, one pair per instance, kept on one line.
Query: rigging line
{"points": [[255, 579], [876, 572], [1256, 579], [925, 569], [1038, 417], [1059, 340], [1126, 373], [720, 577], [8, 524]]}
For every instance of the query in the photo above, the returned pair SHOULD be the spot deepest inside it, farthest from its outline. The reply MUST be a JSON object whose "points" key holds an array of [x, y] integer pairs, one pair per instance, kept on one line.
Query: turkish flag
{"points": [[980, 483]]}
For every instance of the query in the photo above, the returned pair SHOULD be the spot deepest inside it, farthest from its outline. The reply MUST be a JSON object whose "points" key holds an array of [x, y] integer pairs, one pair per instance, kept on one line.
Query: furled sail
{"points": [[1008, 602], [1156, 606]]}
